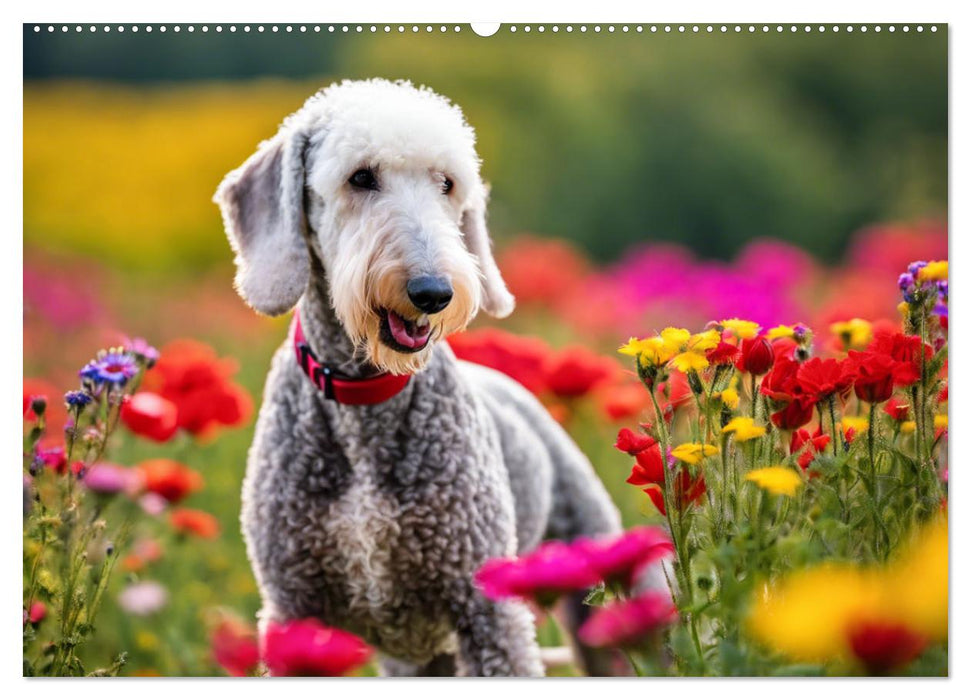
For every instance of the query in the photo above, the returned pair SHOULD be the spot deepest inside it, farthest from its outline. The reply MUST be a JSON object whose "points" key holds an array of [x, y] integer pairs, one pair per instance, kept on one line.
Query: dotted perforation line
{"points": [[513, 29]]}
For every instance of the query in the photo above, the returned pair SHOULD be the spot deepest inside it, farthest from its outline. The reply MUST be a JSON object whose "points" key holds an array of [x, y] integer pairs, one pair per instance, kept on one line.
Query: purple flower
{"points": [[77, 399], [916, 267], [143, 598], [905, 281], [141, 349], [109, 478], [942, 288], [110, 368]]}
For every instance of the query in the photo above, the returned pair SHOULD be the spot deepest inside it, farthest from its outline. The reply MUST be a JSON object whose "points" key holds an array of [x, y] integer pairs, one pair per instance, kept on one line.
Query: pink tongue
{"points": [[399, 331]]}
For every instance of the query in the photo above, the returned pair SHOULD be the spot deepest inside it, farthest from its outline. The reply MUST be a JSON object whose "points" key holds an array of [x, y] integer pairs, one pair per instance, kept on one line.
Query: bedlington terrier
{"points": [[384, 471]]}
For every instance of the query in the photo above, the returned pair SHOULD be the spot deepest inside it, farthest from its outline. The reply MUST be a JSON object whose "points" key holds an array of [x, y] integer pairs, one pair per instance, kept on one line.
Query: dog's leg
{"points": [[441, 665], [495, 638]]}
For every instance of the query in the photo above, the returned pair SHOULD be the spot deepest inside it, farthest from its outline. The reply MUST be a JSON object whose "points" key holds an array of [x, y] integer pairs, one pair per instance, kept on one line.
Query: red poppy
{"points": [[574, 371], [793, 407], [520, 357], [308, 648], [822, 379], [648, 469], [885, 646], [150, 415], [198, 382], [622, 401], [756, 356], [906, 350], [814, 444], [187, 521], [795, 414], [630, 442], [235, 647], [688, 490], [898, 409], [874, 376], [540, 270], [676, 390], [171, 480]]}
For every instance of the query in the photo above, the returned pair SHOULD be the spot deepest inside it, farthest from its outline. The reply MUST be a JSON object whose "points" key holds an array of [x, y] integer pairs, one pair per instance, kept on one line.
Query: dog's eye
{"points": [[364, 179], [447, 185]]}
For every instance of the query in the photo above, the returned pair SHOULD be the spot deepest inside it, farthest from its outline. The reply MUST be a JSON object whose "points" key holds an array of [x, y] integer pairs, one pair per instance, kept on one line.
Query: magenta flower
{"points": [[140, 348], [308, 648], [110, 478], [629, 622], [143, 598], [543, 575], [619, 558]]}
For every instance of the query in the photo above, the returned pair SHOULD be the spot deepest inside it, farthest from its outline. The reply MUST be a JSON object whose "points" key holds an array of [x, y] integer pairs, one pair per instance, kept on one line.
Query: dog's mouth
{"points": [[402, 334]]}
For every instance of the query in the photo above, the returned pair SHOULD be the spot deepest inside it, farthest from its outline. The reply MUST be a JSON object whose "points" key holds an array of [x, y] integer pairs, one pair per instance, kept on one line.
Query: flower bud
{"points": [[38, 404], [757, 355]]}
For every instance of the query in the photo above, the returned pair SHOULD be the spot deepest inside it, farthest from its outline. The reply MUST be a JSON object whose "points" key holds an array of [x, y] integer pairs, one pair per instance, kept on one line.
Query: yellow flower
{"points": [[744, 429], [743, 330], [706, 340], [652, 351], [855, 333], [781, 332], [940, 422], [917, 581], [676, 338], [908, 426], [934, 271], [687, 361], [805, 616], [729, 397], [903, 308], [858, 424], [693, 452], [780, 481]]}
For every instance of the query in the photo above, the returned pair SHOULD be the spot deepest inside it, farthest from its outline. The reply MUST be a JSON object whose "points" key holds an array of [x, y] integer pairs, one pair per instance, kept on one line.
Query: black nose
{"points": [[429, 294]]}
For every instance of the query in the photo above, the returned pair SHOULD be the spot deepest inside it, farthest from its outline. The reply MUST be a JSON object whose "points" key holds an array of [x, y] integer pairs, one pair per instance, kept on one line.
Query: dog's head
{"points": [[381, 182]]}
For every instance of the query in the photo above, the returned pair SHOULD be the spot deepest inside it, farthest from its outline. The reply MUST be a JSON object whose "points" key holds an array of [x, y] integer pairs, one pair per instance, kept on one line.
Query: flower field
{"points": [[785, 483]]}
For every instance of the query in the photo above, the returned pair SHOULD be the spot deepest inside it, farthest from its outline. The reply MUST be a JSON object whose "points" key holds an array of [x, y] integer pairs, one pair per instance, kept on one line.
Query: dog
{"points": [[383, 471]]}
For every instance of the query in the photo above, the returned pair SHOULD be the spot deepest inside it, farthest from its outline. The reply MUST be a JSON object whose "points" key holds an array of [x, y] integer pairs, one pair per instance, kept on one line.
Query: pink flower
{"points": [[308, 648], [110, 478], [619, 558], [550, 570], [629, 622], [143, 598], [36, 614]]}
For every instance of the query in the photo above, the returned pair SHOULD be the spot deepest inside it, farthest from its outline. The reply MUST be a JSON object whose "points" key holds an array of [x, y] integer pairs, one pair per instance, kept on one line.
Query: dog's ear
{"points": [[262, 204], [496, 299]]}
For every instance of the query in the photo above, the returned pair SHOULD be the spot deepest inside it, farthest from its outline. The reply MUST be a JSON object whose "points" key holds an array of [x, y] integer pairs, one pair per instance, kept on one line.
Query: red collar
{"points": [[353, 392]]}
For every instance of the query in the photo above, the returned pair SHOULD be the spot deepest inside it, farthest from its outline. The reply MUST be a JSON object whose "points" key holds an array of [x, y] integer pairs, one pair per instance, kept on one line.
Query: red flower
{"points": [[824, 378], [235, 647], [520, 357], [795, 414], [794, 408], [190, 375], [756, 357], [629, 622], [884, 646], [897, 409], [171, 480], [630, 442], [574, 371], [187, 521], [906, 350], [622, 401], [676, 389], [542, 575], [538, 270], [618, 558], [722, 354], [649, 468], [874, 376], [151, 416], [308, 648], [814, 443]]}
